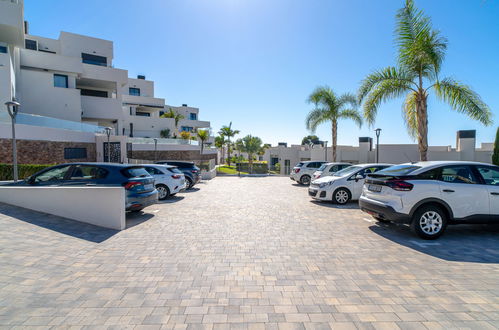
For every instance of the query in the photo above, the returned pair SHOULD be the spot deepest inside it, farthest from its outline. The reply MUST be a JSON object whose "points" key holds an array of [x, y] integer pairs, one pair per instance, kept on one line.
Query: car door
{"points": [[54, 176], [461, 190], [490, 176]]}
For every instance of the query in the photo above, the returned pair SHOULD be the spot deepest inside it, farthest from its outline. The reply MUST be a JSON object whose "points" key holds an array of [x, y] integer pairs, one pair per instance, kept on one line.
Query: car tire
{"points": [[429, 222], [341, 196], [190, 183], [305, 180], [171, 195], [163, 191]]}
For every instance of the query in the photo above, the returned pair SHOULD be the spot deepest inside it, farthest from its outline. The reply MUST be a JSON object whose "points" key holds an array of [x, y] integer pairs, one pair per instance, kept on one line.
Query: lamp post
{"points": [[108, 133], [155, 149], [13, 108], [378, 132]]}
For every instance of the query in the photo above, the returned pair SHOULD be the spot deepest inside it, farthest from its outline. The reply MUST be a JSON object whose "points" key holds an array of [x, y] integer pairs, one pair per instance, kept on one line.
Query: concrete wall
{"points": [[100, 206]]}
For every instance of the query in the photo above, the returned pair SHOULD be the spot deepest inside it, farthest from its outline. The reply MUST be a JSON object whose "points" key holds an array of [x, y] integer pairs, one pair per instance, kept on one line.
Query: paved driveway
{"points": [[245, 253]]}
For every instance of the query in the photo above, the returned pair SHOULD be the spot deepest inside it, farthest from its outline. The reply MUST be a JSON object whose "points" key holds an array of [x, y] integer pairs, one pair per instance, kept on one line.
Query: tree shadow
{"points": [[58, 224], [352, 205], [463, 243]]}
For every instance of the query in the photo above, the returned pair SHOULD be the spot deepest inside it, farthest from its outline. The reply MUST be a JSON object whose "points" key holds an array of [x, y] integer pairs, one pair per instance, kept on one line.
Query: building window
{"points": [[93, 59], [134, 91], [187, 129], [3, 49], [93, 92], [143, 114], [75, 153], [193, 116], [30, 44], [60, 80]]}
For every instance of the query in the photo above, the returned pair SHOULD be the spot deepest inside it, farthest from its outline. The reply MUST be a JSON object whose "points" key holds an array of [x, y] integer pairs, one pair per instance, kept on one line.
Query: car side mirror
{"points": [[358, 177]]}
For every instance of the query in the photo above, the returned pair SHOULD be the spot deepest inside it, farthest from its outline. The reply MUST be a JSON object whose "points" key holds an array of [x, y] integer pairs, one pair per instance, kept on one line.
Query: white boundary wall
{"points": [[100, 206]]}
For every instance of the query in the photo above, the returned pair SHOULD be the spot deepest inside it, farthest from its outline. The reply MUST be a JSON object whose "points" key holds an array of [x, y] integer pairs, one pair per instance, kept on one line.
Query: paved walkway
{"points": [[245, 253]]}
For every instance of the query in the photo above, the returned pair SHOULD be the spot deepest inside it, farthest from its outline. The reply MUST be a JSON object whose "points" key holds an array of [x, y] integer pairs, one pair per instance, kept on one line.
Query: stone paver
{"points": [[244, 253]]}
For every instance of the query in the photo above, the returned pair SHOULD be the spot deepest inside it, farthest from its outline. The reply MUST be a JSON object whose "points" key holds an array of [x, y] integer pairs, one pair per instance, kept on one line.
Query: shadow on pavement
{"points": [[463, 243], [299, 185], [349, 206], [187, 191], [171, 199], [61, 225], [136, 218]]}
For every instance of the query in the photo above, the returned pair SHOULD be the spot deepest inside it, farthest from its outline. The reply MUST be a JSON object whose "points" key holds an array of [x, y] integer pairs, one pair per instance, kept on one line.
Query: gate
{"points": [[115, 152]]}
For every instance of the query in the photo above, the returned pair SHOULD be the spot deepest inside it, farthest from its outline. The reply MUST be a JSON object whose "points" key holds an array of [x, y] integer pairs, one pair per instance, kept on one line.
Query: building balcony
{"points": [[194, 123], [104, 73], [144, 101], [41, 60], [101, 108], [12, 22]]}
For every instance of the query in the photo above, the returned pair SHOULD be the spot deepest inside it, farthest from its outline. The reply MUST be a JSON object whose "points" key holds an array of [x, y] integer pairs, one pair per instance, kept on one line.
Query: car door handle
{"points": [[495, 193], [448, 190]]}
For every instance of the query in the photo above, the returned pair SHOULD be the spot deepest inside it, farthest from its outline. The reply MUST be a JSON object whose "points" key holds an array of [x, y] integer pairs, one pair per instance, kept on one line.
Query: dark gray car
{"points": [[191, 171]]}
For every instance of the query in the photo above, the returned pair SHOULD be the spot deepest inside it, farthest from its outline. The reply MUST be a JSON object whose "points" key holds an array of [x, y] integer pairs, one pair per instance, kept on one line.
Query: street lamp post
{"points": [[155, 149], [13, 108], [378, 132], [108, 133]]}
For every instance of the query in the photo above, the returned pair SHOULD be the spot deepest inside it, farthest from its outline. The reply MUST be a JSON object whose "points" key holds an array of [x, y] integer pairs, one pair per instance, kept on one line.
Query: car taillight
{"points": [[400, 185], [297, 170], [132, 184], [194, 171], [176, 176]]}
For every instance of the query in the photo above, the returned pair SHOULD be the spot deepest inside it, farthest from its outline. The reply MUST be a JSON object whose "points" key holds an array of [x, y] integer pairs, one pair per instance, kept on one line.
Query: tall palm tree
{"points": [[203, 136], [330, 107], [251, 145], [176, 116], [220, 144], [421, 51], [228, 132]]}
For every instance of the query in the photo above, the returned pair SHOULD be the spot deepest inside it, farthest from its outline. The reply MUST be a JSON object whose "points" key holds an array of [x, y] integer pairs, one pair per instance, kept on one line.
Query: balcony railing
{"points": [[139, 140]]}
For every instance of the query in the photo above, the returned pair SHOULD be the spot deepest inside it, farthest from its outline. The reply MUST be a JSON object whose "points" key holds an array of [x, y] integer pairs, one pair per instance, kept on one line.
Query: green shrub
{"points": [[258, 167], [495, 155], [24, 170]]}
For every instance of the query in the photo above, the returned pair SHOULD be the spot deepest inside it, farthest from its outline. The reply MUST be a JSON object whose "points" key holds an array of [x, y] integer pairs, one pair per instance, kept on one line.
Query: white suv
{"points": [[344, 185], [431, 195], [303, 171], [328, 169], [168, 179]]}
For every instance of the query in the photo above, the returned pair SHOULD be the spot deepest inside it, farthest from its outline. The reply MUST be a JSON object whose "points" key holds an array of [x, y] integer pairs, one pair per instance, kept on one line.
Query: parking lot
{"points": [[245, 253]]}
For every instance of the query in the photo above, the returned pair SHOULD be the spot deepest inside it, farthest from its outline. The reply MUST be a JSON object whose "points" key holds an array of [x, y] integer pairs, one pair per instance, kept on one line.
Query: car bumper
{"points": [[380, 210], [179, 188], [317, 194], [139, 201]]}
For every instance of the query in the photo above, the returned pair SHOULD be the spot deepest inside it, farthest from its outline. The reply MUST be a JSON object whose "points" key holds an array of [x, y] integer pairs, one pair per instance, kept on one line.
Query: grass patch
{"points": [[228, 170]]}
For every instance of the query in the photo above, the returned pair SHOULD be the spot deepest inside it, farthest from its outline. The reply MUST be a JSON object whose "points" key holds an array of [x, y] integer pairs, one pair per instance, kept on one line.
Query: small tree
{"points": [[203, 136], [251, 145], [185, 135], [314, 139], [175, 116], [220, 144], [228, 132], [495, 155], [165, 133]]}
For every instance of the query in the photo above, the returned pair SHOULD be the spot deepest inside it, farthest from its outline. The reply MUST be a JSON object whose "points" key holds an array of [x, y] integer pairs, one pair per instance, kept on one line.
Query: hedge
{"points": [[258, 168], [24, 170]]}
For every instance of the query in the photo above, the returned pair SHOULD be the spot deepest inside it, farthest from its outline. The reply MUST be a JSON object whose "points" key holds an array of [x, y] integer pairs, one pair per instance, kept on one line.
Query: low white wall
{"points": [[100, 206]]}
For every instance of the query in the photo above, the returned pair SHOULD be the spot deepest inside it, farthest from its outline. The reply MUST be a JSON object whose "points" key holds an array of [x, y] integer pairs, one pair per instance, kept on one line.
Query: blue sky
{"points": [[254, 62]]}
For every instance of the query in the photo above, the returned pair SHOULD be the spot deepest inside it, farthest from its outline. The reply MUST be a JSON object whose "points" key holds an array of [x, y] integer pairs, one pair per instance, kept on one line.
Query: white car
{"points": [[431, 195], [303, 171], [344, 185], [328, 169], [168, 179]]}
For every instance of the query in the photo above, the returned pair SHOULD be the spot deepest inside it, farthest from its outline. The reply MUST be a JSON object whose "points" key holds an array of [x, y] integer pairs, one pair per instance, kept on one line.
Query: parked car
{"points": [[344, 185], [169, 180], [303, 171], [328, 169], [139, 185], [191, 171], [431, 195]]}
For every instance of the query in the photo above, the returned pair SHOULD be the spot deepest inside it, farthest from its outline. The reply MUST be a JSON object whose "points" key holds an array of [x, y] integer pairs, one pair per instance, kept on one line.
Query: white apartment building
{"points": [[73, 78]]}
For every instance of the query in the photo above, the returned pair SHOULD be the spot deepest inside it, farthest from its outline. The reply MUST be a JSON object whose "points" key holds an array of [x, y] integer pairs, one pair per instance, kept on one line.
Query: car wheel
{"points": [[341, 196], [305, 180], [381, 220], [190, 183], [163, 191], [171, 195], [429, 222]]}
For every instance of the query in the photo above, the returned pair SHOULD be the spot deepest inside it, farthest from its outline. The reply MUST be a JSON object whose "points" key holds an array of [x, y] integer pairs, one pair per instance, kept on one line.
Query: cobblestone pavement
{"points": [[245, 253]]}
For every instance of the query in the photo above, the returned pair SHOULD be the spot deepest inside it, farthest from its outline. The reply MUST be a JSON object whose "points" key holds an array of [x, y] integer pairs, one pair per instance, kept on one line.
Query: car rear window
{"points": [[299, 165], [398, 170], [134, 172], [175, 170], [323, 167]]}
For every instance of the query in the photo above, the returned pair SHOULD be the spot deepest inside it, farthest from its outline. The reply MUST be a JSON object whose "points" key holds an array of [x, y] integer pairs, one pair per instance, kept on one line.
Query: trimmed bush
{"points": [[24, 170], [258, 168]]}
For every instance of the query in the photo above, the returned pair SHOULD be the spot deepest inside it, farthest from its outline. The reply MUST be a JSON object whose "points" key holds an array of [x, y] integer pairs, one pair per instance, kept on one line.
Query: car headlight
{"points": [[323, 184]]}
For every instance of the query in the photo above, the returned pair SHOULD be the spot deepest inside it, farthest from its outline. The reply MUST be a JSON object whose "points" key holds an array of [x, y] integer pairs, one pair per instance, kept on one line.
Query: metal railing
{"points": [[139, 140]]}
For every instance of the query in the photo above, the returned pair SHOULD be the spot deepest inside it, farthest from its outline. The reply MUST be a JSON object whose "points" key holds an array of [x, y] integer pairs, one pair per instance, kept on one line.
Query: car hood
{"points": [[326, 179]]}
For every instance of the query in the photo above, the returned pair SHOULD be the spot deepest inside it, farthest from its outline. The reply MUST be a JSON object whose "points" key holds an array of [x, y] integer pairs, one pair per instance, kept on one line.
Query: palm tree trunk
{"points": [[334, 138], [422, 111]]}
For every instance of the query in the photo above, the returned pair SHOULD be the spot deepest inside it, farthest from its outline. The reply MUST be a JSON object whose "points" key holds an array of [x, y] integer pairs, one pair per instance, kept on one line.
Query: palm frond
{"points": [[409, 112], [348, 99], [323, 96], [463, 99], [390, 75], [351, 114], [316, 117]]}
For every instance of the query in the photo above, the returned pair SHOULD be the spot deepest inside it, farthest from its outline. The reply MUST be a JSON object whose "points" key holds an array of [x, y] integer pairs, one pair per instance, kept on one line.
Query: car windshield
{"points": [[322, 168], [347, 171], [398, 170]]}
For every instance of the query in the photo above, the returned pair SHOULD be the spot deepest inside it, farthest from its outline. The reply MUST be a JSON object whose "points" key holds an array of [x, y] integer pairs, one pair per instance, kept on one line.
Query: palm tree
{"points": [[203, 136], [251, 145], [176, 116], [330, 107], [421, 51], [228, 132], [220, 144]]}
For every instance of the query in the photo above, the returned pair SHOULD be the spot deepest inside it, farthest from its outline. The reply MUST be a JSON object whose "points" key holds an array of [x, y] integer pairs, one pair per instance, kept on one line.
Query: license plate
{"points": [[148, 186], [374, 188]]}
